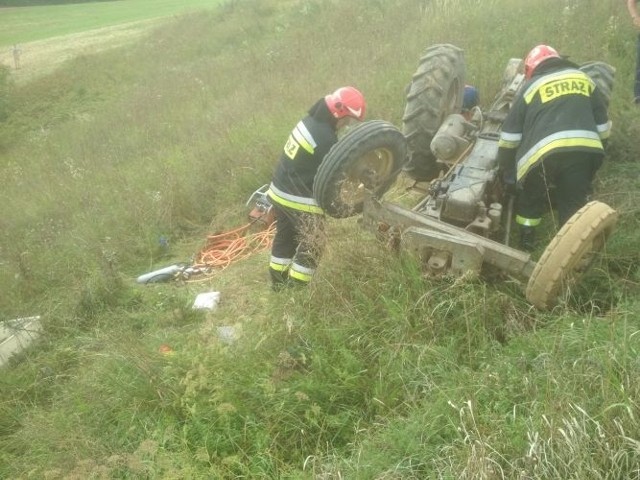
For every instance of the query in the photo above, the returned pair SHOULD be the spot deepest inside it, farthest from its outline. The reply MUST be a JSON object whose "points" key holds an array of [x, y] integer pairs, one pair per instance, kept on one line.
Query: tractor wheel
{"points": [[570, 253], [436, 91], [602, 73], [369, 157], [514, 66]]}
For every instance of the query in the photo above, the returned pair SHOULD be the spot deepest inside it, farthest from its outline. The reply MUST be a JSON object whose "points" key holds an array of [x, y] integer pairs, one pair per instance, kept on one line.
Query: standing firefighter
{"points": [[554, 134], [298, 242]]}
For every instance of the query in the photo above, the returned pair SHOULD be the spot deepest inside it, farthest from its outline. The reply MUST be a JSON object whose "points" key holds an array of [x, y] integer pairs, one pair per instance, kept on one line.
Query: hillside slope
{"points": [[120, 162]]}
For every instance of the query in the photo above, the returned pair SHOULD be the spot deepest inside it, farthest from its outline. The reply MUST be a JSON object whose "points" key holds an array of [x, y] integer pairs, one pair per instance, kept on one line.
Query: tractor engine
{"points": [[463, 195], [468, 193]]}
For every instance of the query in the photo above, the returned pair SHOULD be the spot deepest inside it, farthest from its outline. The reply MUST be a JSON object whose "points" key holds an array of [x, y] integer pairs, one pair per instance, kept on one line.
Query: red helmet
{"points": [[536, 56], [346, 102]]}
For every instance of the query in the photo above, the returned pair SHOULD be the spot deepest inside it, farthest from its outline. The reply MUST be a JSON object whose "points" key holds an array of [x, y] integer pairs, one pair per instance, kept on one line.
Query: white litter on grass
{"points": [[16, 335], [227, 334], [207, 301]]}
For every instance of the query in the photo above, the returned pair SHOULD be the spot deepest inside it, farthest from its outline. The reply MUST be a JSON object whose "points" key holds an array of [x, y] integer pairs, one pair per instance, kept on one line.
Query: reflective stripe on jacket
{"points": [[295, 202], [292, 183], [559, 109]]}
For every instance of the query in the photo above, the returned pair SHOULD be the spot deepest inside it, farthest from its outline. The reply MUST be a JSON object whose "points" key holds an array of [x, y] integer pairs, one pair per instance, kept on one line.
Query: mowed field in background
{"points": [[27, 24], [51, 34]]}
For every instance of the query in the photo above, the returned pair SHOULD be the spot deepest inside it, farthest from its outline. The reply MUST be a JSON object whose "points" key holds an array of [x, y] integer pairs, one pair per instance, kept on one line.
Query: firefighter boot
{"points": [[527, 238]]}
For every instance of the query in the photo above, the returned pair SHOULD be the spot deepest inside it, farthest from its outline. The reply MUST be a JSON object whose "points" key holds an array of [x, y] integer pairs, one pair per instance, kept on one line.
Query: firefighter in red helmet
{"points": [[554, 134], [298, 242]]}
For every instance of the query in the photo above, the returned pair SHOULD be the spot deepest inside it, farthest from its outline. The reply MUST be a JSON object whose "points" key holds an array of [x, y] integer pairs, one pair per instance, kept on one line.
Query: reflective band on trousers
{"points": [[567, 138], [528, 222], [303, 274], [303, 204], [280, 264]]}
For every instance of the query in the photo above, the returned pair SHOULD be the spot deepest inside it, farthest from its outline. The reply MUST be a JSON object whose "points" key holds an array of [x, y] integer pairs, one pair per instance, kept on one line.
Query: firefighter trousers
{"points": [[297, 246], [572, 175]]}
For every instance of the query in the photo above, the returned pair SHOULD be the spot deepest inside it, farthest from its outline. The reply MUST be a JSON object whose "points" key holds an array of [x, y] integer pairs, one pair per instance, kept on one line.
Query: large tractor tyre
{"points": [[570, 254], [435, 92], [368, 158], [603, 75]]}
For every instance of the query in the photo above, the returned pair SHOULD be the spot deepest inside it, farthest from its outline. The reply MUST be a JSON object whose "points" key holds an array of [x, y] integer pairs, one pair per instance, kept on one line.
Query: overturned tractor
{"points": [[463, 220]]}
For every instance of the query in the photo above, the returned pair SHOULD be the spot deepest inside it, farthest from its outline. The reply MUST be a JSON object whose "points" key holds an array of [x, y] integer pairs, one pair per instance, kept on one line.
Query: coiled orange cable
{"points": [[222, 249]]}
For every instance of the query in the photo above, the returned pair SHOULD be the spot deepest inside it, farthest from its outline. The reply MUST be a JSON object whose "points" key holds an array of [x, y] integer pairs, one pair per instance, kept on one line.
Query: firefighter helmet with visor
{"points": [[346, 102], [536, 56]]}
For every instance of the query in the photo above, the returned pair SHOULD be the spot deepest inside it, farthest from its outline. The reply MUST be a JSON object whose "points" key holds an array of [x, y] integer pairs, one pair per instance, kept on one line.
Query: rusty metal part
{"points": [[468, 250]]}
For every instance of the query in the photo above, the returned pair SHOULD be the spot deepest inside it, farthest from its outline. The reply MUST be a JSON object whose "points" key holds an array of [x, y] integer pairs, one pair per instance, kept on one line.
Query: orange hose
{"points": [[224, 248]]}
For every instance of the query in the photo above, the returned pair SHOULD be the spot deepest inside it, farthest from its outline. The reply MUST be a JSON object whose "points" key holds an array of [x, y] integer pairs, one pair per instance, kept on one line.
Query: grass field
{"points": [[47, 36], [118, 161], [20, 25]]}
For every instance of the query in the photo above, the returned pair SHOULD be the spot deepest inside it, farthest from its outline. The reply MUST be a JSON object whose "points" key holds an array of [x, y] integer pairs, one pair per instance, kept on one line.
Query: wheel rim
{"points": [[587, 259], [571, 253], [370, 172], [584, 262]]}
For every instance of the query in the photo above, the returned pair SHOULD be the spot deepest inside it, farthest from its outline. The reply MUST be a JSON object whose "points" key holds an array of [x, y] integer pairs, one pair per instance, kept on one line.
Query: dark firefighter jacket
{"points": [[558, 109], [308, 143]]}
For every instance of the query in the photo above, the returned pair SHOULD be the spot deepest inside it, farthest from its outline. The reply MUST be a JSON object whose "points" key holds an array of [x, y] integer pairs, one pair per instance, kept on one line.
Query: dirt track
{"points": [[43, 56]]}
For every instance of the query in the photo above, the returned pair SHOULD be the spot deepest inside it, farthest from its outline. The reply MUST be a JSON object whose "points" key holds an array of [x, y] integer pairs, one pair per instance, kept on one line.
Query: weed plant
{"points": [[122, 162]]}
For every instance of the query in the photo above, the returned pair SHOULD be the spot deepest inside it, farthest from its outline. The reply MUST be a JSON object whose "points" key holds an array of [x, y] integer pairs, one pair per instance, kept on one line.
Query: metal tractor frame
{"points": [[463, 221]]}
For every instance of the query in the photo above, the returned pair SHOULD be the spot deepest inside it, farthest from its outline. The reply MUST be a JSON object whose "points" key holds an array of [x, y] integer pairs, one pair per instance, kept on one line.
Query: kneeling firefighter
{"points": [[298, 242], [555, 133]]}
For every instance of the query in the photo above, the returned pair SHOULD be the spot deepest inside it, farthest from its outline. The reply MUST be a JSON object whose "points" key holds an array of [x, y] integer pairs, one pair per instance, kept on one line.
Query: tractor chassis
{"points": [[440, 246]]}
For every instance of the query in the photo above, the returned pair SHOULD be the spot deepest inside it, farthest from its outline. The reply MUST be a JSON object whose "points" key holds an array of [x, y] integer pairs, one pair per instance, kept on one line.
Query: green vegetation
{"points": [[29, 23], [374, 371]]}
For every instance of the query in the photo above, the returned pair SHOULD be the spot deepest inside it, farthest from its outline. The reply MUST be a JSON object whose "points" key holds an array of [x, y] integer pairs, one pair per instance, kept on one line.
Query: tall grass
{"points": [[374, 371]]}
